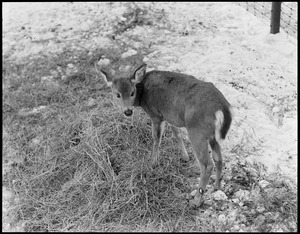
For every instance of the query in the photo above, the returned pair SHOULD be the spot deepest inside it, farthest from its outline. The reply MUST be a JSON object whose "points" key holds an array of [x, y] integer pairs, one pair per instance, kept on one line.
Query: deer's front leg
{"points": [[158, 127]]}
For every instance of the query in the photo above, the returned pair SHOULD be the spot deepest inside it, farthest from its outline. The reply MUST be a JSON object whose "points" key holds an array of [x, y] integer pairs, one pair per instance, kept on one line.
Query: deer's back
{"points": [[180, 99]]}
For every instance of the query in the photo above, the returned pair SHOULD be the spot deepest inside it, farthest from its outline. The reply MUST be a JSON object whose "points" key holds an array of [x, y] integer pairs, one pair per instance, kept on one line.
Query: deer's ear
{"points": [[106, 77], [139, 73]]}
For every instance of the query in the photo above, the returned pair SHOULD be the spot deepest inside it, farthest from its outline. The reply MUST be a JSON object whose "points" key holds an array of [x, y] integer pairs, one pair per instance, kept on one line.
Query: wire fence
{"points": [[288, 16]]}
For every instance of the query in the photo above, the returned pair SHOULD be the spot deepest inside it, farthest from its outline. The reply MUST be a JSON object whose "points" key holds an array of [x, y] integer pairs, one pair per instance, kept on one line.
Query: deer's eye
{"points": [[118, 95], [132, 94]]}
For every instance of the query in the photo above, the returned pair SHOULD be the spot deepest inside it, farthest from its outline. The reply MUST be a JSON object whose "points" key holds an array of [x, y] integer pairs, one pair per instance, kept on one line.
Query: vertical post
{"points": [[275, 17]]}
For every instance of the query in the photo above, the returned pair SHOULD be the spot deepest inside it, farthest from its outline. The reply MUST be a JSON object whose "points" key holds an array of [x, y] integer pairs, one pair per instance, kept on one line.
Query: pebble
{"points": [[103, 62], [146, 59], [219, 195], [70, 65], [275, 109], [193, 193], [222, 218], [263, 184], [235, 200], [128, 53], [122, 18]]}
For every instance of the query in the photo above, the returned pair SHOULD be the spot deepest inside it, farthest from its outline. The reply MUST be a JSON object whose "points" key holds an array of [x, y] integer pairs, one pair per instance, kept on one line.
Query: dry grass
{"points": [[86, 168], [81, 167]]}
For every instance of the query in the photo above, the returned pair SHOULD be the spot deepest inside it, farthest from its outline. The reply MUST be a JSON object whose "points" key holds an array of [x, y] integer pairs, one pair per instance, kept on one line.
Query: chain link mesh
{"points": [[288, 17]]}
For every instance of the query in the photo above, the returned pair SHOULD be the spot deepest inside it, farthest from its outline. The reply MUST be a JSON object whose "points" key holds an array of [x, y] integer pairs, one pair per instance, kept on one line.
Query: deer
{"points": [[182, 101]]}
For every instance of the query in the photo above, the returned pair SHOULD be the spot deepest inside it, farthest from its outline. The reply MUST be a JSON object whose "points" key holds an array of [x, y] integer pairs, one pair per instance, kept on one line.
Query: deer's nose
{"points": [[128, 112]]}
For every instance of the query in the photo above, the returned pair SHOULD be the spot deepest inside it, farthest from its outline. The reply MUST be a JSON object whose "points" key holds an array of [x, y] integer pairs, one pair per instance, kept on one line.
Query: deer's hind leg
{"points": [[200, 147], [217, 156]]}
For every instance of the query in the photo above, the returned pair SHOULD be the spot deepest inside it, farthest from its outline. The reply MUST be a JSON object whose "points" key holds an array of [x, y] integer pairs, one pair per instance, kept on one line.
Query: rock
{"points": [[219, 195], [242, 195], [193, 193], [128, 53], [145, 59], [122, 18], [103, 62], [275, 109], [263, 184], [70, 65], [235, 200], [222, 218]]}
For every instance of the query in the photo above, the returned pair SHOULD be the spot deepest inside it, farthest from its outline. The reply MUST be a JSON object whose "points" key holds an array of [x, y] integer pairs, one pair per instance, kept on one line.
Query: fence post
{"points": [[275, 17]]}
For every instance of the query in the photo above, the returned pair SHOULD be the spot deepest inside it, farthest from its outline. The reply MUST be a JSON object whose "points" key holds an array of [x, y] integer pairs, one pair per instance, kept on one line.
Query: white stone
{"points": [[122, 18], [222, 218], [263, 184], [275, 109], [235, 200], [129, 53], [146, 59], [193, 193], [219, 195], [70, 65], [103, 62]]}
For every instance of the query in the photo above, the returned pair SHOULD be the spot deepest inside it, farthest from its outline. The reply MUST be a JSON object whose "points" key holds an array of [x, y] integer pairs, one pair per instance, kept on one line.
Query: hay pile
{"points": [[85, 167]]}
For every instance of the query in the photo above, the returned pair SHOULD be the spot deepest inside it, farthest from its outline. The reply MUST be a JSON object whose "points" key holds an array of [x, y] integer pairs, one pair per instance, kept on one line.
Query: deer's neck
{"points": [[139, 93]]}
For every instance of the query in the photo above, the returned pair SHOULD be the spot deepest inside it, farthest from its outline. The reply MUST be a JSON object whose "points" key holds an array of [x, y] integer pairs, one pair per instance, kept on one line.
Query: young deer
{"points": [[182, 101]]}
